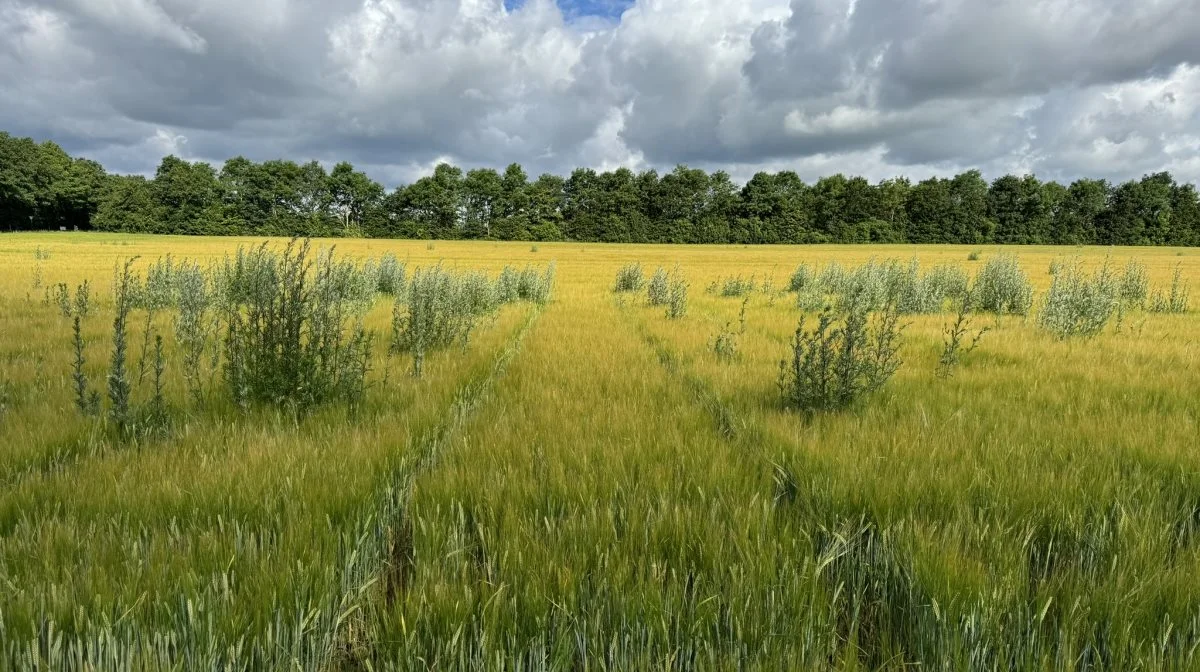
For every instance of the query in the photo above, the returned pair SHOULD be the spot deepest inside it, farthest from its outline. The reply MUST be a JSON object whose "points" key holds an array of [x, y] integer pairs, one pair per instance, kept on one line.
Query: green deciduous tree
{"points": [[41, 186], [187, 198], [353, 197]]}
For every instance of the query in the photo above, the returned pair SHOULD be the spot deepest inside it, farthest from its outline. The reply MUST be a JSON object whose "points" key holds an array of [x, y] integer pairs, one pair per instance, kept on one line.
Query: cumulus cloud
{"points": [[1063, 88]]}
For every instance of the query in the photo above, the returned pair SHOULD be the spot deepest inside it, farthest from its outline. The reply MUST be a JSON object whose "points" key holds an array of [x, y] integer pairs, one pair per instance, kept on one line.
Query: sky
{"points": [[880, 88]]}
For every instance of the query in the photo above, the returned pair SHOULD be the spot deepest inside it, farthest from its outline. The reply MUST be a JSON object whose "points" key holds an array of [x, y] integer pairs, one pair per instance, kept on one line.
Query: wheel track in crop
{"points": [[380, 564], [728, 425]]}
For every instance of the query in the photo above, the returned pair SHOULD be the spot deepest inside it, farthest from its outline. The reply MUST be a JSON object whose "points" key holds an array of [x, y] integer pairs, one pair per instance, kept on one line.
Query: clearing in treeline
{"points": [[322, 455]]}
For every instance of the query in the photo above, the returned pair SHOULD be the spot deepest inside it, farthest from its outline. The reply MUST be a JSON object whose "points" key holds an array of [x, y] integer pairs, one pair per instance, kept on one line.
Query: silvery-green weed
{"points": [[291, 336], [1135, 284], [677, 297], [658, 291], [536, 287], [629, 278], [389, 275], [843, 358], [1078, 305], [733, 286], [802, 278], [725, 346], [1002, 287]]}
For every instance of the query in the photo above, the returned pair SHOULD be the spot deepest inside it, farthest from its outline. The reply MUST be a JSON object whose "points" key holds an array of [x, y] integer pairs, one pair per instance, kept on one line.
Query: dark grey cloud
{"points": [[1012, 47], [1060, 87]]}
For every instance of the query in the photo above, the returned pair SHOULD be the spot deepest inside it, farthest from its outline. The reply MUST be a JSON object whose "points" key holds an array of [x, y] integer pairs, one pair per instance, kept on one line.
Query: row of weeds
{"points": [[1082, 304], [441, 307], [281, 327], [276, 319], [1000, 287], [849, 353], [1077, 304], [876, 284], [669, 290]]}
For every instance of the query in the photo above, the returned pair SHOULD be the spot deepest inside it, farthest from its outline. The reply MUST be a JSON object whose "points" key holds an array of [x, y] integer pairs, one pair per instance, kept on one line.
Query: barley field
{"points": [[580, 480]]}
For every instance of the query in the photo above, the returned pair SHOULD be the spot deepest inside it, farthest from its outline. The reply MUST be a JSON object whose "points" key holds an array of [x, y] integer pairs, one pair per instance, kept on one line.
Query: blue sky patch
{"points": [[580, 9]]}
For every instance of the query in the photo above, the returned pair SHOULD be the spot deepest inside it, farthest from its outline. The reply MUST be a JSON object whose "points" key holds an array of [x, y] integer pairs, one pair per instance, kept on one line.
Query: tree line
{"points": [[42, 187]]}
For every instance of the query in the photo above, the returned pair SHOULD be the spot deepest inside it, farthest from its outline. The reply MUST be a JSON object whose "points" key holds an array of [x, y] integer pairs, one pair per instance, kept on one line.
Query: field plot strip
{"points": [[583, 469]]}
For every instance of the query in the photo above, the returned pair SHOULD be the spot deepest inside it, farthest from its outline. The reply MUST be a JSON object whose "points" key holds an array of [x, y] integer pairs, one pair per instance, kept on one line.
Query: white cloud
{"points": [[1120, 130], [841, 119], [167, 142], [1064, 88]]}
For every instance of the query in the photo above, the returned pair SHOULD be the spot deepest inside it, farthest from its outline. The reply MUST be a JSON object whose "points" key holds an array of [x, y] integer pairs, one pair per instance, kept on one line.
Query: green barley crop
{"points": [[587, 485], [1175, 299]]}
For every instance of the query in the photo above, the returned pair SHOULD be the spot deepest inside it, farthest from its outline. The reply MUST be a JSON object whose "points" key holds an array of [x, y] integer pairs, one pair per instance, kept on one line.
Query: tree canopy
{"points": [[42, 187]]}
